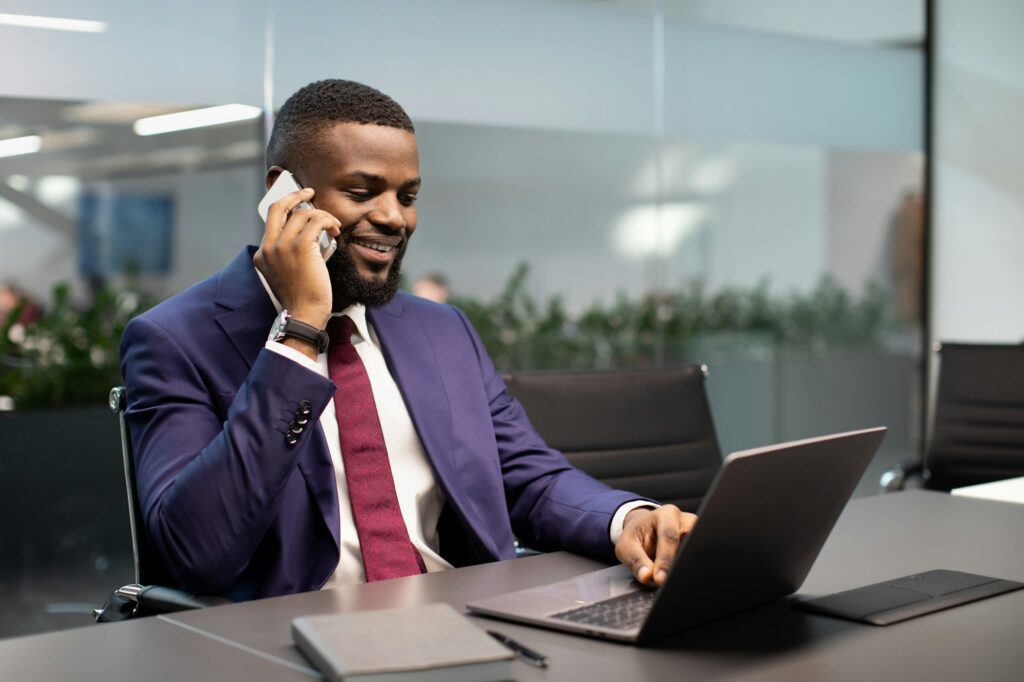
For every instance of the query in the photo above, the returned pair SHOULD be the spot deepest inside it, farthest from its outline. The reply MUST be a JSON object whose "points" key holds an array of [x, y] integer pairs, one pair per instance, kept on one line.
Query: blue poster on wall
{"points": [[124, 233]]}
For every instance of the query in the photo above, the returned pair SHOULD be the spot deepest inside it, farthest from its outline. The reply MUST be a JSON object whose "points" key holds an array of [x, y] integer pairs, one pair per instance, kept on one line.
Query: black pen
{"points": [[527, 654]]}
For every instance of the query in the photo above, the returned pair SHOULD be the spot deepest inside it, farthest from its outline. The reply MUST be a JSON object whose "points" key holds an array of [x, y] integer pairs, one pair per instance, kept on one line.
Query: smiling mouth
{"points": [[377, 250], [380, 247]]}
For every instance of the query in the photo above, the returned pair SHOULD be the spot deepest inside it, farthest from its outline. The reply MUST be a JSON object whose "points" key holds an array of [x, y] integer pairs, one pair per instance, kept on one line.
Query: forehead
{"points": [[380, 150]]}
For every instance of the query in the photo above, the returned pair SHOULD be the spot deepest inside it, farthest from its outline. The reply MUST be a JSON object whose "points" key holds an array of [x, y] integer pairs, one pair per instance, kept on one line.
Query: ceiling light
{"points": [[53, 23], [58, 190], [650, 230], [15, 146], [18, 181], [196, 118], [113, 113]]}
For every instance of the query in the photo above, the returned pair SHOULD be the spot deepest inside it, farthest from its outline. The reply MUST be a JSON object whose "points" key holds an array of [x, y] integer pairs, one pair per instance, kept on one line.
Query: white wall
{"points": [[490, 82], [978, 225], [214, 215], [590, 67], [175, 52], [566, 203], [723, 82], [533, 63], [866, 190], [864, 21]]}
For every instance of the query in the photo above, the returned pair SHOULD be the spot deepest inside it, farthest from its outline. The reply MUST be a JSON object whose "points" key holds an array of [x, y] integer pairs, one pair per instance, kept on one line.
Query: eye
{"points": [[359, 194], [407, 199]]}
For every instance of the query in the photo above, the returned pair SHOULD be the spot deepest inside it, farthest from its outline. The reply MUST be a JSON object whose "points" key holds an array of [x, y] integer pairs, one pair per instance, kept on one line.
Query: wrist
{"points": [[301, 346], [635, 514], [292, 331], [619, 521]]}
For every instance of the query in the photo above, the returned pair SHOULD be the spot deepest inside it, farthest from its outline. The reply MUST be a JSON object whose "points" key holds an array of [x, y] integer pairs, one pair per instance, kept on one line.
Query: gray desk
{"points": [[876, 538]]}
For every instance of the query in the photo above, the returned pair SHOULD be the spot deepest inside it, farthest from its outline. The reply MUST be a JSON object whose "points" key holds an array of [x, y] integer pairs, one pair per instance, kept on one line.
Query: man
{"points": [[270, 466]]}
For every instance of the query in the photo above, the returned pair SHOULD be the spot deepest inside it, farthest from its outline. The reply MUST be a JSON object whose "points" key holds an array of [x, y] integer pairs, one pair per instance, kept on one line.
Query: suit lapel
{"points": [[410, 351], [410, 357], [250, 313], [247, 321]]}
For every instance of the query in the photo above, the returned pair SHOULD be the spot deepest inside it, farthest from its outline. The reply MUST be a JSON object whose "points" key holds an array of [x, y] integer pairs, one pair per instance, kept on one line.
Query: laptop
{"points": [[760, 527]]}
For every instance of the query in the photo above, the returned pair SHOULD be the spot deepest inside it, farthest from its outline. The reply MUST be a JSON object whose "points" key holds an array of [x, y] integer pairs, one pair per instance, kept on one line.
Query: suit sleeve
{"points": [[209, 490], [552, 505]]}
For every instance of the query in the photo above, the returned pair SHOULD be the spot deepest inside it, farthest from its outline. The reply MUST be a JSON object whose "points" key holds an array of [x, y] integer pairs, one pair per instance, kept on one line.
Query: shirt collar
{"points": [[357, 311]]}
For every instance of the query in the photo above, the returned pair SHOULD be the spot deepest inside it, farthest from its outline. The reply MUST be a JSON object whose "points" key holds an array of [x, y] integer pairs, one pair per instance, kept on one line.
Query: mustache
{"points": [[377, 235]]}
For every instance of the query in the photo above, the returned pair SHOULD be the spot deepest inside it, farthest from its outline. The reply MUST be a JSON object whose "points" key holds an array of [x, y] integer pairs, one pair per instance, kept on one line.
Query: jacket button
{"points": [[295, 428], [306, 407], [291, 438]]}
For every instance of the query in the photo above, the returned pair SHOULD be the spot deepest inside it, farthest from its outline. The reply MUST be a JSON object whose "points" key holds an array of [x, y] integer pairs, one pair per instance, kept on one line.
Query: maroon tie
{"points": [[383, 538]]}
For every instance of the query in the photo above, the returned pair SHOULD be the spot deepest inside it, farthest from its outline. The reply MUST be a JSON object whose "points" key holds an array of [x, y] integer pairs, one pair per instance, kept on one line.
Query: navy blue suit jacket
{"points": [[233, 509]]}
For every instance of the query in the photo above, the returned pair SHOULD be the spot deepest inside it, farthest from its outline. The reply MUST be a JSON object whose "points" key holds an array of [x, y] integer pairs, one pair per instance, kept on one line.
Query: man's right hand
{"points": [[289, 257]]}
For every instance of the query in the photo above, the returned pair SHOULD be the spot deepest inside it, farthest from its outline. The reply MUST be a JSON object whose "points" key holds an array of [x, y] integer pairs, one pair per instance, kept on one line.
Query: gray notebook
{"points": [[426, 643]]}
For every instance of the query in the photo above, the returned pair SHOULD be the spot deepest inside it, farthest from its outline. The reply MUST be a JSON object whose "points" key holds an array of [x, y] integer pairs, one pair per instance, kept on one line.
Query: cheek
{"points": [[410, 219], [345, 211]]}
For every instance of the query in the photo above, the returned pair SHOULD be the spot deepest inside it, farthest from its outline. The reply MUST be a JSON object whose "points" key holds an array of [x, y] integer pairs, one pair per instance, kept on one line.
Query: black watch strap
{"points": [[305, 332]]}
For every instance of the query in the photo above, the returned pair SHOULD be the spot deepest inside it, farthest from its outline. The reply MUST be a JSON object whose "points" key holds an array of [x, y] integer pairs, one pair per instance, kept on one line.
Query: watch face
{"points": [[277, 331]]}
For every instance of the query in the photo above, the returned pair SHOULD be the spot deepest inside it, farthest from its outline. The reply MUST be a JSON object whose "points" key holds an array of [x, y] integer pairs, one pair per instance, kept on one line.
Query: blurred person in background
{"points": [[12, 299], [432, 286]]}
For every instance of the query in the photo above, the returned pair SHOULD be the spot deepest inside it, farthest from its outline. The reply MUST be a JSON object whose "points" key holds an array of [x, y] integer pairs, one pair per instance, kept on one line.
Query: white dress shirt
{"points": [[419, 496]]}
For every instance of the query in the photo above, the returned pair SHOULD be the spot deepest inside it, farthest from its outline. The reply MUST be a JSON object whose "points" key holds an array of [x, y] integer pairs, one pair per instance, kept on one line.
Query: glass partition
{"points": [[96, 224], [640, 183], [607, 183]]}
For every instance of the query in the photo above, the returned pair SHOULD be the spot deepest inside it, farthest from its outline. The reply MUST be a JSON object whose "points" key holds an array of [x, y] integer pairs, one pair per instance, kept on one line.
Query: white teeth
{"points": [[376, 247]]}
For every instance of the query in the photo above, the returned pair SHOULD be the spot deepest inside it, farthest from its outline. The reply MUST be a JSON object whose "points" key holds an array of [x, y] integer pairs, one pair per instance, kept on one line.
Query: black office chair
{"points": [[648, 431], [148, 594], [977, 433]]}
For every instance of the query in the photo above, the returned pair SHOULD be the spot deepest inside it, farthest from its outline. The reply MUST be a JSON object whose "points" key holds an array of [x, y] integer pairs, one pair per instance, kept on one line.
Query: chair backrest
{"points": [[148, 567], [978, 428], [648, 431]]}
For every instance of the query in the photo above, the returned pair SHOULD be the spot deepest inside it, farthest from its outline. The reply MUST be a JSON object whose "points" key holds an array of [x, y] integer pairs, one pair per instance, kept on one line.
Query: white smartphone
{"points": [[286, 184]]}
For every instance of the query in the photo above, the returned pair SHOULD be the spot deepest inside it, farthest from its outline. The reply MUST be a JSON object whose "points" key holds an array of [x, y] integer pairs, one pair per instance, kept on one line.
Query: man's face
{"points": [[366, 176]]}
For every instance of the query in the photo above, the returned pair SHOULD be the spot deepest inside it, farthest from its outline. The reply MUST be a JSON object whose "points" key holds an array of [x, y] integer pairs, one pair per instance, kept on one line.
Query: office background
{"points": [[607, 183]]}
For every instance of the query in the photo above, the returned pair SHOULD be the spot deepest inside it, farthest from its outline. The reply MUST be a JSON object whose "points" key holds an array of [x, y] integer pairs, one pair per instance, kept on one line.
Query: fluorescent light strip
{"points": [[53, 23], [16, 146], [196, 118]]}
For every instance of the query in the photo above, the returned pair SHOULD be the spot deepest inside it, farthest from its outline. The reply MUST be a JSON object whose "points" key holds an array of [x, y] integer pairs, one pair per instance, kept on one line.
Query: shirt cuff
{"points": [[615, 528], [293, 354]]}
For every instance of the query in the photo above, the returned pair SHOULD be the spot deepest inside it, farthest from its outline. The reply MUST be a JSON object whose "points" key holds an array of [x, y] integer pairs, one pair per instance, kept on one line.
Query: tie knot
{"points": [[340, 329]]}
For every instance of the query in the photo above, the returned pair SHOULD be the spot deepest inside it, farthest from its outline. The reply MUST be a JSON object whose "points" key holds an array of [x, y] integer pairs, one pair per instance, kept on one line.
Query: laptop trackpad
{"points": [[584, 589]]}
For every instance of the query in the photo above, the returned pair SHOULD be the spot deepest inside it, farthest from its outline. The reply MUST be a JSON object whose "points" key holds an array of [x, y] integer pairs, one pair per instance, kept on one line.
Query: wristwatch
{"points": [[285, 325]]}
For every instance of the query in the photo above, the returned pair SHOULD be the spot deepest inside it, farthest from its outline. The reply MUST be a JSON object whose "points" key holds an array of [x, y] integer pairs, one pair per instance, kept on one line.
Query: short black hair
{"points": [[306, 114]]}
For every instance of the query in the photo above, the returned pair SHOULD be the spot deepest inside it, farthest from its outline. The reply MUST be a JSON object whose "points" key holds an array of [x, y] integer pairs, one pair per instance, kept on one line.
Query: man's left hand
{"points": [[650, 538]]}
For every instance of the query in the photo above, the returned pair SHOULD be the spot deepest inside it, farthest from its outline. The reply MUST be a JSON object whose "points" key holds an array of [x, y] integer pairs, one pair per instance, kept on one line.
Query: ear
{"points": [[272, 174]]}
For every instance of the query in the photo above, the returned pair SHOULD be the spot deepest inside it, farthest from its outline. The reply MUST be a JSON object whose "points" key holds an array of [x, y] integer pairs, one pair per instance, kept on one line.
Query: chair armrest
{"points": [[895, 479], [132, 601], [158, 599]]}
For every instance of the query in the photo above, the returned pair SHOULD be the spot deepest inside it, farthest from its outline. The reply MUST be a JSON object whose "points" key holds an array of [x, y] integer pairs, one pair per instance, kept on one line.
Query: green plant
{"points": [[70, 355], [691, 324]]}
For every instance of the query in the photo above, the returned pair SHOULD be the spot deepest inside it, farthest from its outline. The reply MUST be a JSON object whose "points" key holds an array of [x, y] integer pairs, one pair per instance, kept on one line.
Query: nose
{"points": [[387, 212]]}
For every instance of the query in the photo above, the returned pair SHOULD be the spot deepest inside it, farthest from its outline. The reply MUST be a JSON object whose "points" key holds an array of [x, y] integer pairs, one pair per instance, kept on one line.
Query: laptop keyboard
{"points": [[618, 613]]}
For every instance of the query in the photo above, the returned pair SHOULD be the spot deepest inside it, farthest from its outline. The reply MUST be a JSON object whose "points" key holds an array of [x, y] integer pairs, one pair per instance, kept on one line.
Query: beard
{"points": [[351, 286]]}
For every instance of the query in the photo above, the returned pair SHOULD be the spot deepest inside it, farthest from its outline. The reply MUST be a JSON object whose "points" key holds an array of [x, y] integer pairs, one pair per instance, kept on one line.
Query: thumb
{"points": [[630, 551]]}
